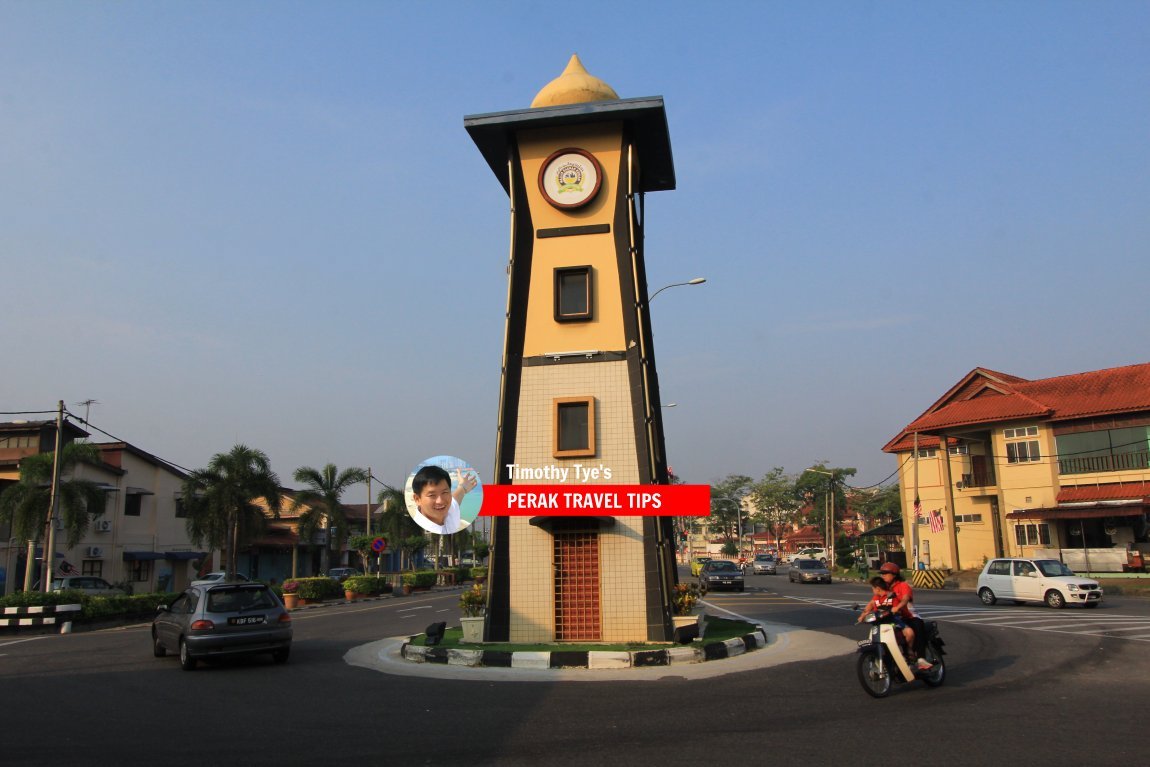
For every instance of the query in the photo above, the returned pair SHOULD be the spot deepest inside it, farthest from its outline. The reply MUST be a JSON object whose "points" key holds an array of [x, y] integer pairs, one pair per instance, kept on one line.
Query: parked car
{"points": [[87, 584], [218, 577], [697, 564], [214, 621], [341, 574], [1036, 580], [809, 571], [764, 564], [721, 574]]}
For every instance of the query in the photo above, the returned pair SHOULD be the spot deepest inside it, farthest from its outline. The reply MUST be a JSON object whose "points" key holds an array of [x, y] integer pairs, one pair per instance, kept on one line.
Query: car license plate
{"points": [[246, 620], [727, 582]]}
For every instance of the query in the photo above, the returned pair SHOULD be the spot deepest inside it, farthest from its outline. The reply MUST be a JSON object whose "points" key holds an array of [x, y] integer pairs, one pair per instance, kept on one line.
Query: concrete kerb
{"points": [[788, 644]]}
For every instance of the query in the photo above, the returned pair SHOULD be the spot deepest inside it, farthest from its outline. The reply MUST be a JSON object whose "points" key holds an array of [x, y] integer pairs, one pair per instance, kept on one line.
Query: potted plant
{"points": [[291, 598], [473, 604], [684, 599]]}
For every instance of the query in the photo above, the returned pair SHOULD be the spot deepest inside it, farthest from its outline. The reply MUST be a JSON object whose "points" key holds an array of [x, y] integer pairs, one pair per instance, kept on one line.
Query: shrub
{"points": [[421, 578], [473, 601], [685, 597], [290, 587], [479, 572], [367, 584], [318, 588]]}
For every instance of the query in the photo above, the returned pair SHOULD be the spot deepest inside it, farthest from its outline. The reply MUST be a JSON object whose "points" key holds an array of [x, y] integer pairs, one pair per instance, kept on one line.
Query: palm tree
{"points": [[321, 500], [400, 528], [25, 504], [221, 500]]}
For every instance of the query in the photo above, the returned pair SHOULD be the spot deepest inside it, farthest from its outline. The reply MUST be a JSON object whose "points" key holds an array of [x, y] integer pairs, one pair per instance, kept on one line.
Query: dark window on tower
{"points": [[573, 299], [574, 427]]}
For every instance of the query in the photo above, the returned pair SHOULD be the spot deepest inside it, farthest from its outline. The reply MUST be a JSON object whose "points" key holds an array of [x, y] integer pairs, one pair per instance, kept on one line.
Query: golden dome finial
{"points": [[574, 86]]}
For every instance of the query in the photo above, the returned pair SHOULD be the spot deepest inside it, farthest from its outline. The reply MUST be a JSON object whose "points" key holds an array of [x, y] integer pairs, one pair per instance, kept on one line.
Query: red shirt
{"points": [[902, 591]]}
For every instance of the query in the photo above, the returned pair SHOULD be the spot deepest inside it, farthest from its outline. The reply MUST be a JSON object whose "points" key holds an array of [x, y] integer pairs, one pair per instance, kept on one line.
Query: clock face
{"points": [[570, 178]]}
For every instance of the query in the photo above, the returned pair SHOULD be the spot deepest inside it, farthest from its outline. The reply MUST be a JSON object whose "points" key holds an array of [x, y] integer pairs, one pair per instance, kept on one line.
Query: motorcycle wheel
{"points": [[937, 674], [873, 675]]}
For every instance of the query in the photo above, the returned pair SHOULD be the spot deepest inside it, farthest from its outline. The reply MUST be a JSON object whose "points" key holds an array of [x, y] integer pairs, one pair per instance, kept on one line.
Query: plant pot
{"points": [[351, 596], [683, 620], [473, 629], [407, 587], [291, 601]]}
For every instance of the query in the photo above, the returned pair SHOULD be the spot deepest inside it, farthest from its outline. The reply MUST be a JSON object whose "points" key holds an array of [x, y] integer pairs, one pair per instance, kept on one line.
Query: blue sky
{"points": [[263, 222]]}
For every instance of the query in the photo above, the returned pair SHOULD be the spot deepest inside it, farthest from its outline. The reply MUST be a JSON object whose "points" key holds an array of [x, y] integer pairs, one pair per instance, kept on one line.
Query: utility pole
{"points": [[368, 515], [48, 567]]}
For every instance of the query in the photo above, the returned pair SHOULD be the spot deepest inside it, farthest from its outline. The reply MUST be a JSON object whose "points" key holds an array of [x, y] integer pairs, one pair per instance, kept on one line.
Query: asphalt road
{"points": [[1020, 689]]}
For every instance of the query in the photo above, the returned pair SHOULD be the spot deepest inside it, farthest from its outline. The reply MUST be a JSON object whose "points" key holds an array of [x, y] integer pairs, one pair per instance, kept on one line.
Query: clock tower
{"points": [[579, 394]]}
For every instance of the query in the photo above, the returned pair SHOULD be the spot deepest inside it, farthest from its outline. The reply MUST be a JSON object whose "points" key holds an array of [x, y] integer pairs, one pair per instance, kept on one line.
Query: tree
{"points": [[25, 504], [220, 500], [361, 545], [321, 499], [726, 499], [776, 500], [882, 506], [816, 483], [398, 524]]}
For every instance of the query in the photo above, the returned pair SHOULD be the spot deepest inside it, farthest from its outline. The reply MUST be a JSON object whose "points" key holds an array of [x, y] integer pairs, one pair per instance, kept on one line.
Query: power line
{"points": [[88, 425]]}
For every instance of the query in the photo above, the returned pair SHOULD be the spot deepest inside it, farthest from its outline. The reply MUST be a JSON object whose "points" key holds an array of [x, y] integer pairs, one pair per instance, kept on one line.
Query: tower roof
{"points": [[574, 86]]}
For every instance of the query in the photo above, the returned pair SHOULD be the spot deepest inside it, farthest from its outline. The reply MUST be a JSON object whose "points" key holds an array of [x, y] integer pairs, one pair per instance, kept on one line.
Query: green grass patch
{"points": [[718, 630]]}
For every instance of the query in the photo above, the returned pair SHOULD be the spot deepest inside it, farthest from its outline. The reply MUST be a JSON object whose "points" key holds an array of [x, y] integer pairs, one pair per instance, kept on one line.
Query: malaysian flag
{"points": [[67, 568], [936, 524], [917, 511]]}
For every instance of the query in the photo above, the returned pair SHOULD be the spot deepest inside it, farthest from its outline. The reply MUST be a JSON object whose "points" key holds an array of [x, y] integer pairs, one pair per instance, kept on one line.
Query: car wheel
{"points": [[187, 662], [874, 675], [157, 648], [1055, 599], [281, 655], [987, 596]]}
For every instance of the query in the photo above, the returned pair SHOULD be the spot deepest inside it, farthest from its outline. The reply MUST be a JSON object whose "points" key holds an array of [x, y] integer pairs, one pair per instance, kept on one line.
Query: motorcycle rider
{"points": [[915, 631]]}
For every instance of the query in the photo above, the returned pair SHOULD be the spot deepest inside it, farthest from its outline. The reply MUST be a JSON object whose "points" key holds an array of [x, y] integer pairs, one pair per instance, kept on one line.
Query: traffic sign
{"points": [[379, 544]]}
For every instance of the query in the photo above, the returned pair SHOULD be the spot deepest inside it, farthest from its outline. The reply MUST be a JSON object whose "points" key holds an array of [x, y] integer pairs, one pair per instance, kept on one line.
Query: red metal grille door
{"points": [[577, 587]]}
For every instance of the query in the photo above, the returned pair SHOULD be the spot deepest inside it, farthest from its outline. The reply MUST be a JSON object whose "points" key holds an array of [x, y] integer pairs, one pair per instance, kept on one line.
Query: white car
{"points": [[217, 577], [813, 553], [1036, 580]]}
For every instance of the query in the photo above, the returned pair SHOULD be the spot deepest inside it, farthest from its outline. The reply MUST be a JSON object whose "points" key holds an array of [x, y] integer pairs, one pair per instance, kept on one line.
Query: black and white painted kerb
{"points": [[41, 615], [557, 659]]}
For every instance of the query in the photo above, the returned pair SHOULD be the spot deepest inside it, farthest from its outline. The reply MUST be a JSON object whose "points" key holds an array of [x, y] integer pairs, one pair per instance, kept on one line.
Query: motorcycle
{"points": [[882, 658]]}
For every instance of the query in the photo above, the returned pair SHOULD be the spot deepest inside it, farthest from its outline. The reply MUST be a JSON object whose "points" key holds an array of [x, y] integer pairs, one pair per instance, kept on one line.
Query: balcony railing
{"points": [[1101, 463], [978, 479]]}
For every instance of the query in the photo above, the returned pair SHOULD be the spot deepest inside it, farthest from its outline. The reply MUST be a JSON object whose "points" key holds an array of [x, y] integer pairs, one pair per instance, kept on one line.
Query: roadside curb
{"points": [[591, 659]]}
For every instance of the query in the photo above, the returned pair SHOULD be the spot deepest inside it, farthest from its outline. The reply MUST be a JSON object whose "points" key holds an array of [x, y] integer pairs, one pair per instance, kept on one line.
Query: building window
{"points": [[574, 427], [132, 505], [927, 452], [960, 450], [1023, 452], [181, 510], [1032, 535], [970, 518], [573, 297], [92, 567], [141, 571], [16, 442], [1020, 432]]}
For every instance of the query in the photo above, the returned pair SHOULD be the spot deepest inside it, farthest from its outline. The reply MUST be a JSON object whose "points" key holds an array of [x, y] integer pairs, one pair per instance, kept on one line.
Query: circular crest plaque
{"points": [[570, 178]]}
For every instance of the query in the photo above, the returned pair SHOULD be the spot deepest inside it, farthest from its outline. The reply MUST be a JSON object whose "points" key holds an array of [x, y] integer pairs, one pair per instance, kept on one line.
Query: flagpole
{"points": [[917, 560]]}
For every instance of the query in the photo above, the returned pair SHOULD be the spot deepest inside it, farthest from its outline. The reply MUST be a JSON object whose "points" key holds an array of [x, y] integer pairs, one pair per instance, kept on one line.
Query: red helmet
{"points": [[889, 567]]}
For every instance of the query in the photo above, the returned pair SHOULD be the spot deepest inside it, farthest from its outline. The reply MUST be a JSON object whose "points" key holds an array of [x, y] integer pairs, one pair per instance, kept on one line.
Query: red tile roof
{"points": [[985, 397], [1117, 491]]}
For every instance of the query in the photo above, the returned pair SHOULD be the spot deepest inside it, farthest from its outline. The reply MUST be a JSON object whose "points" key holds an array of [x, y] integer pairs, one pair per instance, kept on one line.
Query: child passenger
{"points": [[882, 600]]}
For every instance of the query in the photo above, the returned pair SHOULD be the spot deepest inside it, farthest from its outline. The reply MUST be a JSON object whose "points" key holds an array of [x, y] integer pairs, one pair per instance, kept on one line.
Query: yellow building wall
{"points": [[605, 331]]}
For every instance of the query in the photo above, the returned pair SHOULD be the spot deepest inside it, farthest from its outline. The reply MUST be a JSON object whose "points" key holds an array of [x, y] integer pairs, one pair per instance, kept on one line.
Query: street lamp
{"points": [[830, 512], [696, 281]]}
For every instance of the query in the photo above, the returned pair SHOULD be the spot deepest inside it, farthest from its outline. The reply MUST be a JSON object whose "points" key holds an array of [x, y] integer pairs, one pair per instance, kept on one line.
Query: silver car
{"points": [[226, 619], [764, 564], [86, 584], [809, 571]]}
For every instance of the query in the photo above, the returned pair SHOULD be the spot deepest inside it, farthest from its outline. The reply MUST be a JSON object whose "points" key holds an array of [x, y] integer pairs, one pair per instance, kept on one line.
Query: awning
{"points": [[135, 556], [181, 556], [572, 524], [1087, 512], [139, 491], [890, 528]]}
